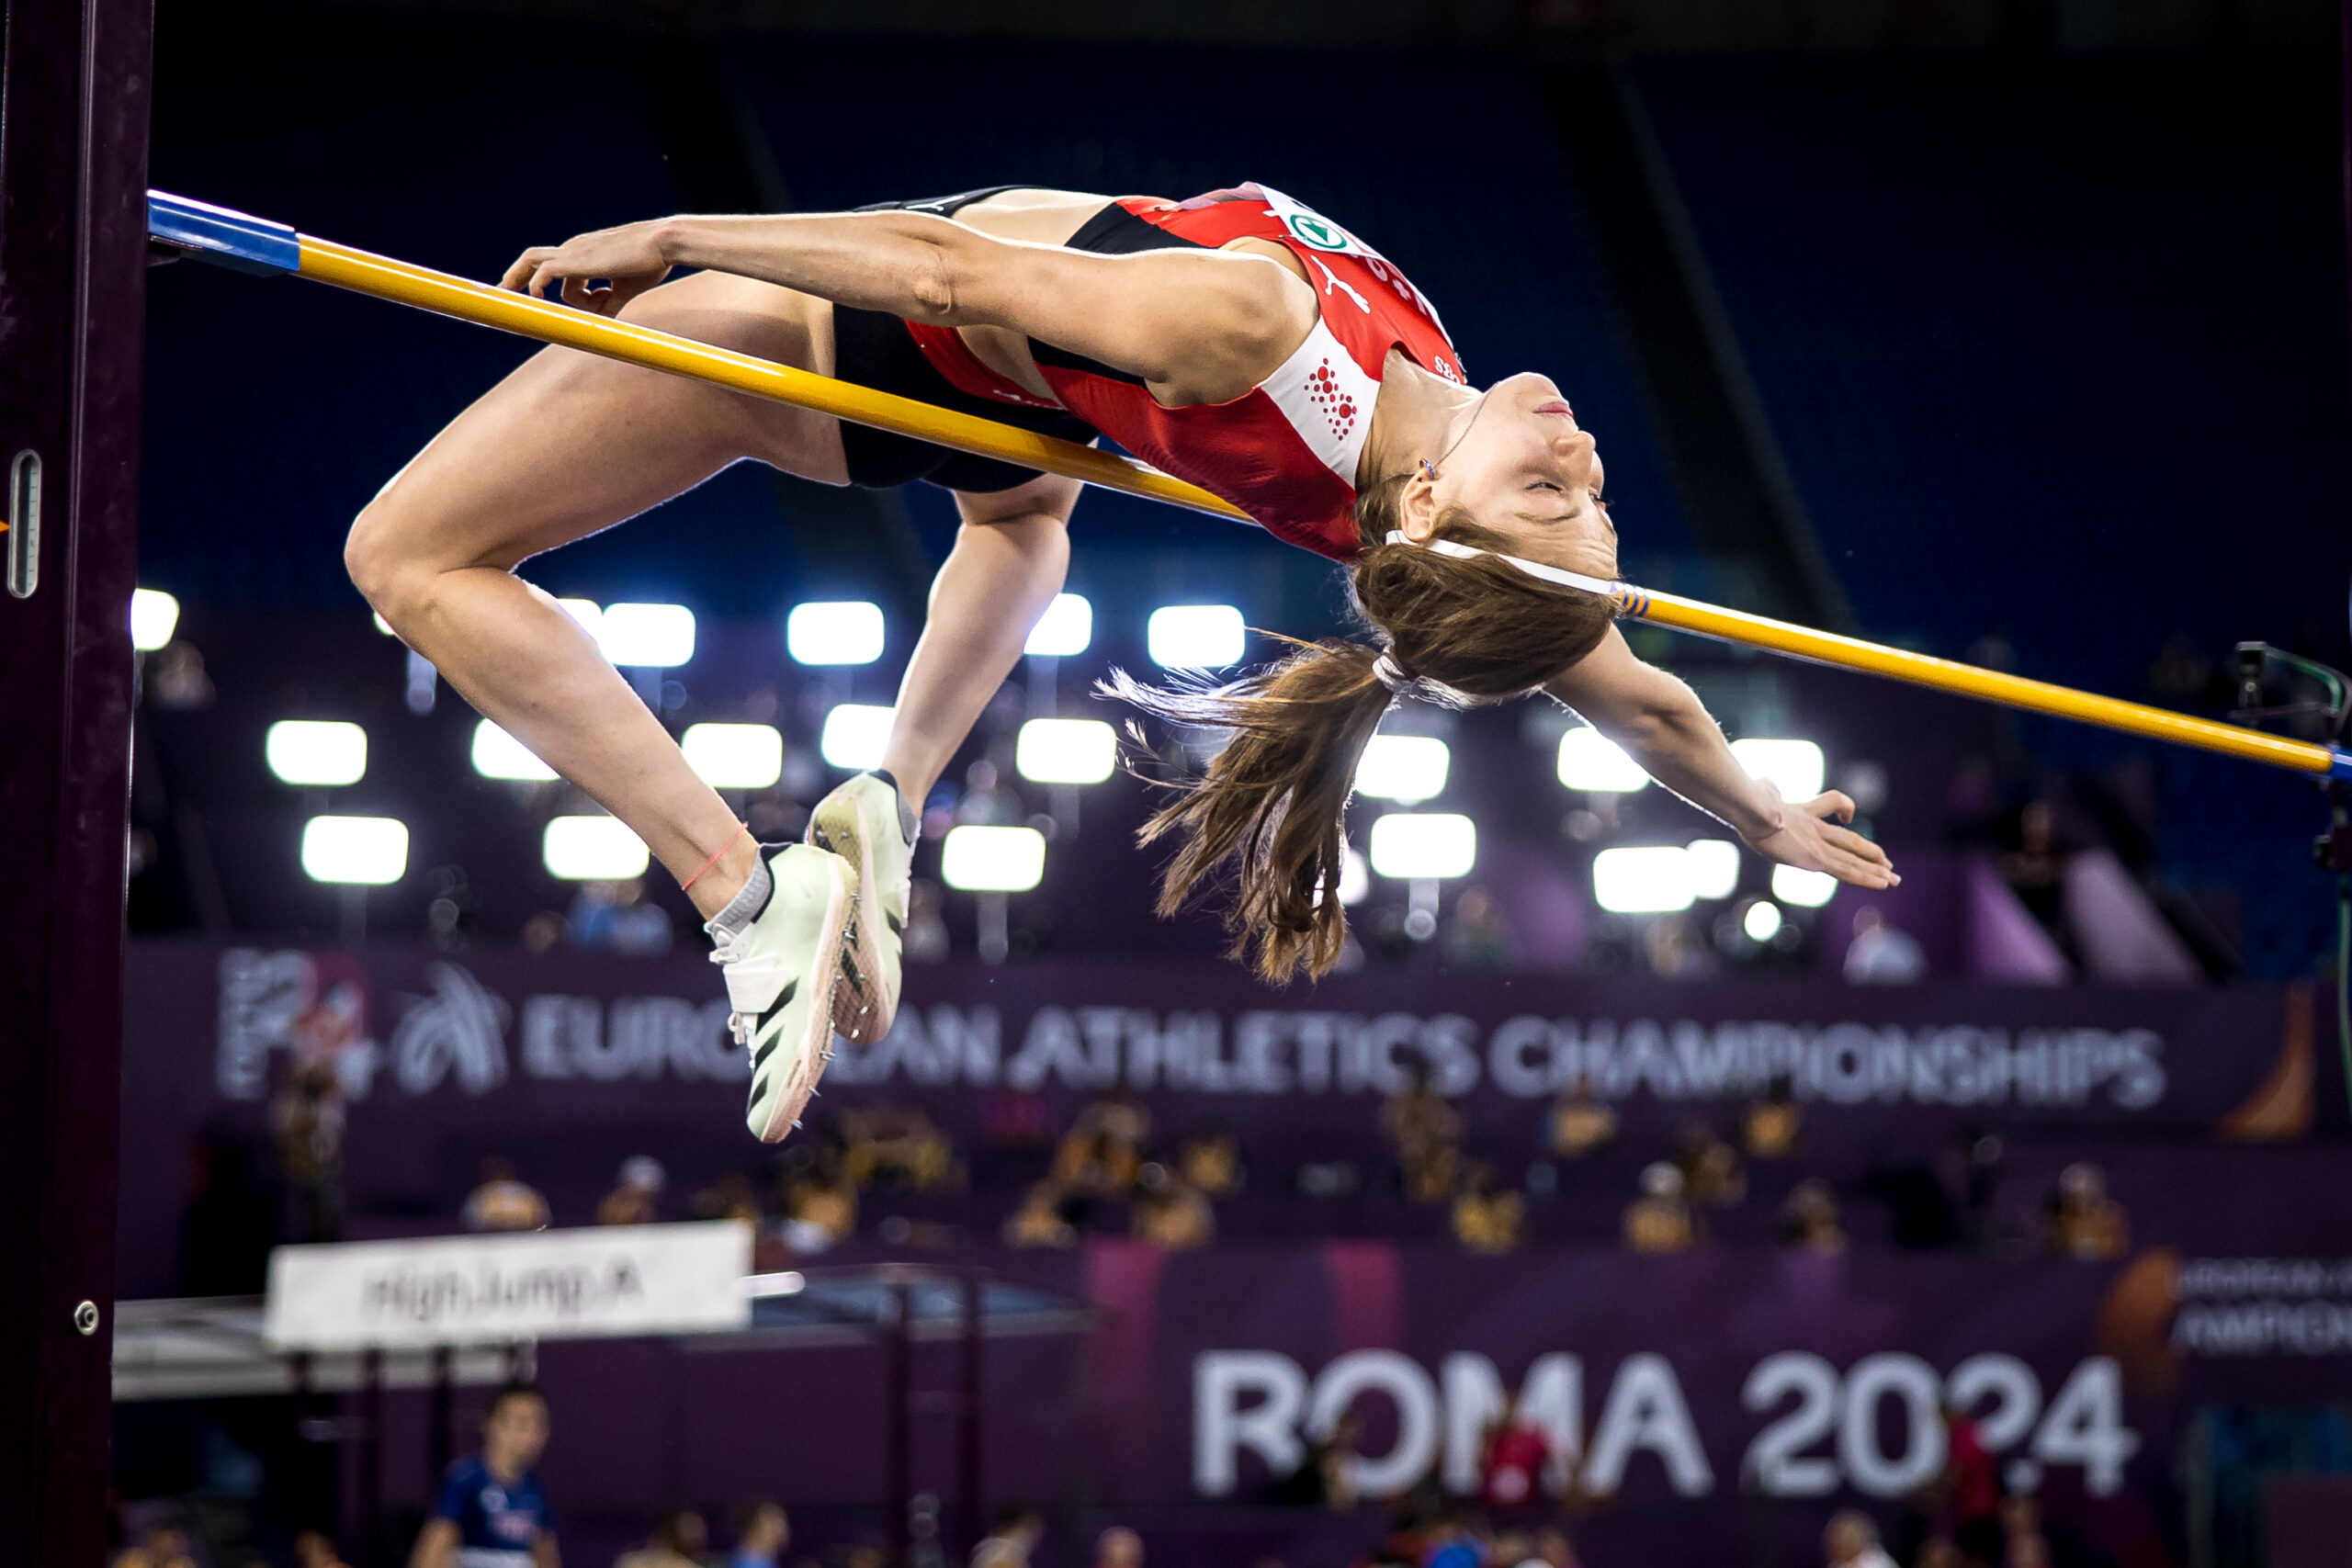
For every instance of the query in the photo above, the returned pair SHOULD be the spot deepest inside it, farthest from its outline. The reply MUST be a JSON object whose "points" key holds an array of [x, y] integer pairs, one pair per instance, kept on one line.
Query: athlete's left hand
{"points": [[630, 260], [1809, 840]]}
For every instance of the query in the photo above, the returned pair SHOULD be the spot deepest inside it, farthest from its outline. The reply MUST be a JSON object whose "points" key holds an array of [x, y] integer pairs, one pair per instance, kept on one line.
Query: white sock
{"points": [[745, 907]]}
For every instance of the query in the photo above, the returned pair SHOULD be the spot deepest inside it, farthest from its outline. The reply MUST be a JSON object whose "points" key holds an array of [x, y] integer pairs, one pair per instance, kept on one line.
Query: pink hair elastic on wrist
{"points": [[740, 828]]}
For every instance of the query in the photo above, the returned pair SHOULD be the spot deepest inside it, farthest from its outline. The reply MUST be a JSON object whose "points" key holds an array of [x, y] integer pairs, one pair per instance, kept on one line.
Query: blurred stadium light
{"points": [[369, 852], [155, 617], [1591, 761], [1792, 767], [1762, 921], [1196, 637], [734, 756], [1423, 846], [498, 755], [647, 637], [1642, 879], [592, 849], [1065, 630], [854, 735], [992, 859], [316, 751], [841, 631], [1066, 750], [1715, 867], [1806, 889], [1405, 768]]}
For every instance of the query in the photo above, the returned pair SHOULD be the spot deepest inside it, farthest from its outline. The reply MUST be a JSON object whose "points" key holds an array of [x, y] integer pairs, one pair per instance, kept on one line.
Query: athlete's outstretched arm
{"points": [[1665, 727], [1196, 325]]}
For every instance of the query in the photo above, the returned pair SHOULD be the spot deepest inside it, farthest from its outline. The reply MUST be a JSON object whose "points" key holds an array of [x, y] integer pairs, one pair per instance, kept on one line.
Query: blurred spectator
{"points": [[1938, 1552], [1676, 949], [1970, 1486], [1424, 1130], [761, 1532], [1851, 1541], [897, 1145], [821, 1204], [1118, 1547], [1326, 1478], [1041, 1220], [312, 1549], [1581, 1123], [729, 1197], [1489, 1217], [1882, 954], [1808, 1219], [1014, 1118], [1768, 1127], [160, 1546], [1211, 1160], [636, 1199], [1980, 1178], [306, 1122], [1479, 937], [1170, 1212], [1104, 1150], [1553, 1550], [614, 916], [2023, 1544], [176, 681], [1712, 1172], [1018, 1530], [2034, 870], [2084, 1223], [1511, 1462], [1660, 1220], [503, 1201], [925, 938], [678, 1540], [493, 1507]]}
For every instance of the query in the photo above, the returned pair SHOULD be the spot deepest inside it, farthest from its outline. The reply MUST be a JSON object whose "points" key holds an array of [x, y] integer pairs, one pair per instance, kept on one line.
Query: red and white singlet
{"points": [[1285, 452]]}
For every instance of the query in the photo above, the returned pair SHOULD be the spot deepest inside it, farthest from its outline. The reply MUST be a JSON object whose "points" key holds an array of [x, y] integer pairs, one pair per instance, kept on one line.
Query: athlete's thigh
{"points": [[1048, 496], [571, 443]]}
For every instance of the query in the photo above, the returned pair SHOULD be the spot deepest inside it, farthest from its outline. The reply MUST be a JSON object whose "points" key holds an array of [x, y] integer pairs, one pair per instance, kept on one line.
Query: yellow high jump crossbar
{"points": [[246, 244]]}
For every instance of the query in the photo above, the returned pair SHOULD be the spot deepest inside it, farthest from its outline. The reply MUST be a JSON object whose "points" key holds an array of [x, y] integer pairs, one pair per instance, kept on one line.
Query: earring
{"points": [[1429, 468]]}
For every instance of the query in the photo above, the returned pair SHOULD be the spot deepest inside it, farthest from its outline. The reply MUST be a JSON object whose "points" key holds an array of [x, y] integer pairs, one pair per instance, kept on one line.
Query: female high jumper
{"points": [[1238, 340]]}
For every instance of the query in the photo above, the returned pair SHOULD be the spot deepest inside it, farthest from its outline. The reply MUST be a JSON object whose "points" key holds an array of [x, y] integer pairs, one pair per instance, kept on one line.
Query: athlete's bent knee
{"points": [[387, 574]]}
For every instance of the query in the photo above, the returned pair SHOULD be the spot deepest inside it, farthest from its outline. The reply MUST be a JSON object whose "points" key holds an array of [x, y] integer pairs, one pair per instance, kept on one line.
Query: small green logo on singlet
{"points": [[1316, 232]]}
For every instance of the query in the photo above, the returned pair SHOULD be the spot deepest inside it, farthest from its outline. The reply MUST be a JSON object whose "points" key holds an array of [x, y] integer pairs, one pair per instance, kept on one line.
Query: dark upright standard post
{"points": [[72, 268], [967, 1417], [371, 1458], [899, 1462], [436, 1421]]}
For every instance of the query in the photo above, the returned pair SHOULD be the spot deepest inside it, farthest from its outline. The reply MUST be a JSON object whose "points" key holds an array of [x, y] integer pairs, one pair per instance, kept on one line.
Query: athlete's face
{"points": [[1520, 464]]}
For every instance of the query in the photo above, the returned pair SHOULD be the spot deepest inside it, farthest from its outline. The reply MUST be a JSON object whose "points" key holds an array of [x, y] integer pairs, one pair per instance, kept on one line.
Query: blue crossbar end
{"points": [[216, 234], [2340, 763]]}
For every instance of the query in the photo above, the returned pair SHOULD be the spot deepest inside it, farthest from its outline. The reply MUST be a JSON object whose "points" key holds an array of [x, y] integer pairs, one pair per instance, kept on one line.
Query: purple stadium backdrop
{"points": [[1732, 1390]]}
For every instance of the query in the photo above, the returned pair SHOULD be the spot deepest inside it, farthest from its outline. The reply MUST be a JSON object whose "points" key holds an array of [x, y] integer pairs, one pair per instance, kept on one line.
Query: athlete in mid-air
{"points": [[1238, 340]]}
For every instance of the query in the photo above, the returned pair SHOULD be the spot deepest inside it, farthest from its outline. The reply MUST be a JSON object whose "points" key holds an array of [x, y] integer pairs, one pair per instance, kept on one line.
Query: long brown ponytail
{"points": [[1473, 631]]}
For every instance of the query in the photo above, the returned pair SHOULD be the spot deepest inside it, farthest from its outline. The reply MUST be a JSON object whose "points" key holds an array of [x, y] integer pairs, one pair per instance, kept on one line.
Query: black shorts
{"points": [[872, 348]]}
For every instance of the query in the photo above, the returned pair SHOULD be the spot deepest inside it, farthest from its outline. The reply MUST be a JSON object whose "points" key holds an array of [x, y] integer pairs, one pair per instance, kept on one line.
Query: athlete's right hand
{"points": [[1813, 836], [631, 259]]}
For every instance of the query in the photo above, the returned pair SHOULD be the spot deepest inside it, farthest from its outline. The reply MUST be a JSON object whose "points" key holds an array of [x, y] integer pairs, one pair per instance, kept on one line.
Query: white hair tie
{"points": [[1392, 676], [1614, 591]]}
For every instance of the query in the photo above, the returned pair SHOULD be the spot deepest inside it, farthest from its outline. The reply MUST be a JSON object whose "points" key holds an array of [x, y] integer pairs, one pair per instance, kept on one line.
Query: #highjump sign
{"points": [[571, 1285]]}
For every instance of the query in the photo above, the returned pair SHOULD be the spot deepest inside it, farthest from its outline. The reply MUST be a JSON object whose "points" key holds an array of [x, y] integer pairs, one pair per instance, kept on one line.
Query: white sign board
{"points": [[565, 1284]]}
